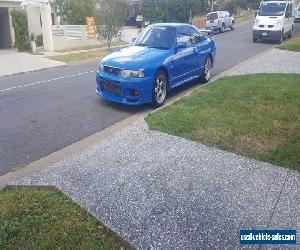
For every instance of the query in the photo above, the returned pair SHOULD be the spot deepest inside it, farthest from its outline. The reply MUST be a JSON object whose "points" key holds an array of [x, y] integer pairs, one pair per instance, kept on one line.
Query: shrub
{"points": [[32, 37], [172, 10], [39, 40], [233, 6], [19, 23]]}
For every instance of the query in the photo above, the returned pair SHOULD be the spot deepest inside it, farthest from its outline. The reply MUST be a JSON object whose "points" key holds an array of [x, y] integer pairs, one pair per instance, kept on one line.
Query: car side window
{"points": [[184, 38]]}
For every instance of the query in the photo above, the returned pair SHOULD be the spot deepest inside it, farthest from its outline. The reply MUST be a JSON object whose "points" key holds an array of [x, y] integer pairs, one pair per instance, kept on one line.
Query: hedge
{"points": [[19, 23]]}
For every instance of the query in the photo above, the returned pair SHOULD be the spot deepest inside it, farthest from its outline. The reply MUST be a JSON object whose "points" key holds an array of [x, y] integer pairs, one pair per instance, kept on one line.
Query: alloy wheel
{"points": [[160, 89], [207, 69]]}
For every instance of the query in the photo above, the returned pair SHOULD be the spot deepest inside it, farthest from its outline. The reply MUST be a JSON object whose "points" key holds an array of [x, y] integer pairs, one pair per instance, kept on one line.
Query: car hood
{"points": [[268, 20], [134, 57]]}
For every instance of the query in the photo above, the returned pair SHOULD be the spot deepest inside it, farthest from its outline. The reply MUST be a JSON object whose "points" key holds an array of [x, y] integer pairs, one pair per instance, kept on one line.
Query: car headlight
{"points": [[278, 23], [132, 73]]}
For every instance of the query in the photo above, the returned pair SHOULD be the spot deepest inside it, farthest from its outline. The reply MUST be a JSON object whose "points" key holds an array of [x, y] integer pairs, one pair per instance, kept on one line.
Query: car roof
{"points": [[171, 24], [278, 1]]}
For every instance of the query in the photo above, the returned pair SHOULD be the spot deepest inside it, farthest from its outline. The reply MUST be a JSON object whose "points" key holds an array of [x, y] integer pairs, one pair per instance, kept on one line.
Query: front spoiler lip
{"points": [[121, 100]]}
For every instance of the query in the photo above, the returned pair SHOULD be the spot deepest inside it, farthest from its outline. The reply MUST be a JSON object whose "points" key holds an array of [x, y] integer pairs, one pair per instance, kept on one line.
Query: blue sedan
{"points": [[163, 57]]}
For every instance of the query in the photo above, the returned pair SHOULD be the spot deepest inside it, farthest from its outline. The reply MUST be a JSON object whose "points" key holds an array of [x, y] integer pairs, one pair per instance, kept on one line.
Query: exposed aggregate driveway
{"points": [[161, 191]]}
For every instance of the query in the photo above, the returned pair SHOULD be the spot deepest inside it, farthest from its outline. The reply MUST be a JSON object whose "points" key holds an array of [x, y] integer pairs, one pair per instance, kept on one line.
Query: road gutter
{"points": [[47, 161]]}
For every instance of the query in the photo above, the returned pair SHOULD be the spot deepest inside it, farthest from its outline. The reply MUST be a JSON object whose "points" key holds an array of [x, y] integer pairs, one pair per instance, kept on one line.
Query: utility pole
{"points": [[212, 5]]}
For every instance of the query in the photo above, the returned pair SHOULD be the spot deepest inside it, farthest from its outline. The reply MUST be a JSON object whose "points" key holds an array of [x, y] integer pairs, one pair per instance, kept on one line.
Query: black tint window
{"points": [[212, 16]]}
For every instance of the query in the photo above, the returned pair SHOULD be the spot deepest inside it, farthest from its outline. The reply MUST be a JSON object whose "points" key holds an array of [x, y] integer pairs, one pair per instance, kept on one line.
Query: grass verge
{"points": [[291, 45], [78, 56], [44, 218], [83, 55], [256, 116], [99, 46]]}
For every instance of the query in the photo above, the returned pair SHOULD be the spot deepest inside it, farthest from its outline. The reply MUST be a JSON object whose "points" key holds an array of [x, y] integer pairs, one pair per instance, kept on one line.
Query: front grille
{"points": [[111, 70], [270, 26], [261, 26]]}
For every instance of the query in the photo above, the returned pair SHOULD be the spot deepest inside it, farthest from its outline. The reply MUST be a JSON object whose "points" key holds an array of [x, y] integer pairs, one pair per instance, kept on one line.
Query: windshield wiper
{"points": [[142, 45], [159, 47]]}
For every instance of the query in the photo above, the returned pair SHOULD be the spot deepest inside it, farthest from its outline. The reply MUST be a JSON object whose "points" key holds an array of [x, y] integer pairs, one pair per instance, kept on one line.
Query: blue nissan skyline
{"points": [[163, 56]]}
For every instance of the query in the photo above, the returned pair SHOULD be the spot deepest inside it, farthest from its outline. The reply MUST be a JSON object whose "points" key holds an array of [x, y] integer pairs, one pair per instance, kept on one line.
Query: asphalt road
{"points": [[44, 111]]}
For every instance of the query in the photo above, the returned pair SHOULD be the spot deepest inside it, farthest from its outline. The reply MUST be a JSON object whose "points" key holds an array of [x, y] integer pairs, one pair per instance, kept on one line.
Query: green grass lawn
{"points": [[101, 45], [78, 56], [292, 44], [256, 116], [40, 218], [72, 57]]}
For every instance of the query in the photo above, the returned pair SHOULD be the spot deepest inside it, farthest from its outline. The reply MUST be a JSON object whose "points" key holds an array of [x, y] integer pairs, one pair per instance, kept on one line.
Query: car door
{"points": [[228, 19], [185, 59], [225, 19], [203, 49]]}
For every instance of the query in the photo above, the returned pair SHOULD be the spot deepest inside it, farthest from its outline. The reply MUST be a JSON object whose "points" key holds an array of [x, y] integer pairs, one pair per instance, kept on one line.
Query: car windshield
{"points": [[157, 37], [271, 9], [212, 16]]}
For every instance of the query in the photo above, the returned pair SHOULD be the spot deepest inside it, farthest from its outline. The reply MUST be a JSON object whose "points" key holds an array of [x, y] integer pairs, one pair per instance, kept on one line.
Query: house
{"points": [[41, 17], [38, 17], [133, 8], [6, 30]]}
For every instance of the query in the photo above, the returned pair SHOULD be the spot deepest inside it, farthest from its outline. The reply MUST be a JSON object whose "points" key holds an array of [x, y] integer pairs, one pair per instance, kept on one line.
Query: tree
{"points": [[110, 18], [74, 12], [19, 23], [171, 10]]}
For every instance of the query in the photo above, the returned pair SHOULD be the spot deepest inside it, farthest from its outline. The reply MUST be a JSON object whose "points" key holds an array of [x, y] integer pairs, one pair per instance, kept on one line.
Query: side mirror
{"points": [[255, 13], [196, 39]]}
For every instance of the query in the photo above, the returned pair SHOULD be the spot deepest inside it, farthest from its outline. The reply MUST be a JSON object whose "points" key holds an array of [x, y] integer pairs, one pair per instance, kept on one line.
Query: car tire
{"points": [[159, 89], [232, 27], [290, 33], [206, 75], [280, 38], [222, 29]]}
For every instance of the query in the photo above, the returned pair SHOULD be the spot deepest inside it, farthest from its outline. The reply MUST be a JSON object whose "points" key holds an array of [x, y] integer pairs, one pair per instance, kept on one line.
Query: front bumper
{"points": [[131, 91], [267, 34], [212, 28], [297, 19]]}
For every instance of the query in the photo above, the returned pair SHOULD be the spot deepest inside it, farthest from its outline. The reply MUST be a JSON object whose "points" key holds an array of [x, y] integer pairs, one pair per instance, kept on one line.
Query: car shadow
{"points": [[219, 33], [130, 109], [183, 88]]}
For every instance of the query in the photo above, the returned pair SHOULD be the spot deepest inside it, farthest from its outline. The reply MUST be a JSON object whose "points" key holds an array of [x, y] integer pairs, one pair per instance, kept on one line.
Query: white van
{"points": [[274, 21]]}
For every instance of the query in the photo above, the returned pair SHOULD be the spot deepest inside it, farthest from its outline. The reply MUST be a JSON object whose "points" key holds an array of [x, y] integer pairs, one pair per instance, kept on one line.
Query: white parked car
{"points": [[219, 21]]}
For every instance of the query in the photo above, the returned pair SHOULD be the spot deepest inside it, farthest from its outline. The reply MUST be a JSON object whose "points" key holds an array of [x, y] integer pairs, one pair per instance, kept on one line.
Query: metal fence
{"points": [[77, 32]]}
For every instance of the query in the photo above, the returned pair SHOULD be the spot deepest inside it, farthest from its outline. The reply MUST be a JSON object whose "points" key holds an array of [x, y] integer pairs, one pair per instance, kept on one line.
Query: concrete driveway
{"points": [[14, 62]]}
